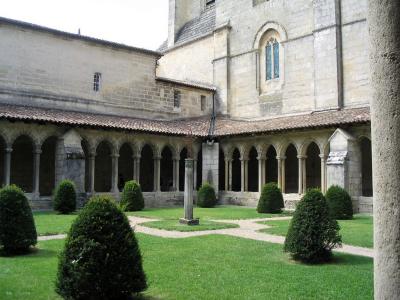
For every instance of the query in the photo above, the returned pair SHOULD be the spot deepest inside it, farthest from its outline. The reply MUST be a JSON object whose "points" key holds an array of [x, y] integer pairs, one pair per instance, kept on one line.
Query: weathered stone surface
{"points": [[384, 28]]}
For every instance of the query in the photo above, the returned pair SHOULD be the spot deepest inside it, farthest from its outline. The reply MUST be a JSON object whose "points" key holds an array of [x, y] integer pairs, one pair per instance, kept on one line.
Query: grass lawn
{"points": [[217, 213], [356, 232], [209, 267], [51, 223], [173, 225]]}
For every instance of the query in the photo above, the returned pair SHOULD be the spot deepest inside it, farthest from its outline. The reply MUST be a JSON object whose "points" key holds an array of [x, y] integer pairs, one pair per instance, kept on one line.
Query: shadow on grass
{"points": [[33, 252]]}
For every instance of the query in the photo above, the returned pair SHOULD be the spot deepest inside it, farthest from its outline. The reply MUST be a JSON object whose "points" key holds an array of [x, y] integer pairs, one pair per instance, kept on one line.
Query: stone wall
{"points": [[325, 62], [49, 70]]}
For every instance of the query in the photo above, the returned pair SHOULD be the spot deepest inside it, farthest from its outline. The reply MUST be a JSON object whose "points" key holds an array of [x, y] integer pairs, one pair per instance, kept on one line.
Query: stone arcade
{"points": [[281, 88]]}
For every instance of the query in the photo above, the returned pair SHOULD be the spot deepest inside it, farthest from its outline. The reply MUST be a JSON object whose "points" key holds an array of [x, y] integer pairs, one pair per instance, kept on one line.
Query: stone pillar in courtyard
{"points": [[70, 161], [188, 195], [384, 28]]}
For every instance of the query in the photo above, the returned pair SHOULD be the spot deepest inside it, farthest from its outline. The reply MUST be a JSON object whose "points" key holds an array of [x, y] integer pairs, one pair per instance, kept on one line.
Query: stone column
{"points": [[136, 168], [157, 161], [261, 173], [194, 174], [283, 173], [227, 163], [188, 194], [92, 163], [323, 172], [7, 166], [384, 28], [114, 174], [36, 172], [279, 159], [175, 174], [301, 170], [230, 175], [243, 175]]}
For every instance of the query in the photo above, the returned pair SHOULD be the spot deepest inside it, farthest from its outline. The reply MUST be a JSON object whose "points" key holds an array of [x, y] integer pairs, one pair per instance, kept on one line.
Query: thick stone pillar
{"points": [[114, 174], [92, 163], [7, 165], [227, 163], [36, 172], [157, 162], [261, 173], [323, 172], [384, 28]]}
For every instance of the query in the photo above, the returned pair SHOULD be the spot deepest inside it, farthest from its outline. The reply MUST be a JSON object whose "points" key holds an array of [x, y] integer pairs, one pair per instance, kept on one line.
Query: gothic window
{"points": [[210, 3], [272, 59]]}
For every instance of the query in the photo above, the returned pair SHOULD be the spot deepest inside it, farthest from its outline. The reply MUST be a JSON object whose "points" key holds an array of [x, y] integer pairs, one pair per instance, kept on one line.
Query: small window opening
{"points": [[203, 103], [272, 59], [210, 3], [177, 99], [96, 81]]}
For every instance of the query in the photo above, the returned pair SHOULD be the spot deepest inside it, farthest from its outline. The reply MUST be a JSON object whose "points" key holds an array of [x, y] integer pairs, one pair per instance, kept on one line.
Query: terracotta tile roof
{"points": [[198, 127], [195, 127], [229, 127]]}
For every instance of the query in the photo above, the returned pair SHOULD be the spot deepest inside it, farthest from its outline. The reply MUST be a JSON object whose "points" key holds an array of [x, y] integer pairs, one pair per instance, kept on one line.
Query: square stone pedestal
{"points": [[192, 222]]}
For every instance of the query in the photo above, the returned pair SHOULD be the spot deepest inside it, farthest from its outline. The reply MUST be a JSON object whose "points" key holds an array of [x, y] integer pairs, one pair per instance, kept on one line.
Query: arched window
{"points": [[272, 59]]}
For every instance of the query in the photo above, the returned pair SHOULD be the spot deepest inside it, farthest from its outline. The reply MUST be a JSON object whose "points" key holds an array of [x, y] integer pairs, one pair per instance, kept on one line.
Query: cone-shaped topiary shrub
{"points": [[313, 233], [17, 227], [101, 259], [271, 199], [206, 196], [339, 202], [132, 197], [65, 197]]}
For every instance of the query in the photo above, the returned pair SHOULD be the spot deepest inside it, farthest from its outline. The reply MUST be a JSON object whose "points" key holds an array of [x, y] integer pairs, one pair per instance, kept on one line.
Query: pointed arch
{"points": [[313, 166], [166, 171], [125, 165], [48, 166], [183, 155], [366, 167], [103, 167], [236, 171], [252, 167], [271, 169]]}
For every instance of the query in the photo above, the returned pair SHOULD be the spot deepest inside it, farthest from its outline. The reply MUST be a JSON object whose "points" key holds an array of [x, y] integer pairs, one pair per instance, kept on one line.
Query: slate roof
{"points": [[198, 127], [192, 84], [194, 29]]}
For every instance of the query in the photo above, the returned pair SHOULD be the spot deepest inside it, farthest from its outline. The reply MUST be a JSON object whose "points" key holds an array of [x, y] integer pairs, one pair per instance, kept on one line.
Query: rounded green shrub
{"points": [[271, 199], [17, 227], [339, 202], [313, 233], [101, 258], [132, 197], [206, 196], [65, 197]]}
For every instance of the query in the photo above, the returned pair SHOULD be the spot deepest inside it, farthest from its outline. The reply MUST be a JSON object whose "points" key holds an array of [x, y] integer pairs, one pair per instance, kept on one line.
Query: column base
{"points": [[193, 222]]}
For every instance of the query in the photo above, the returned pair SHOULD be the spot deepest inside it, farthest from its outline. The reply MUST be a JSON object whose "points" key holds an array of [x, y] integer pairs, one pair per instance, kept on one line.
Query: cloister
{"points": [[31, 156]]}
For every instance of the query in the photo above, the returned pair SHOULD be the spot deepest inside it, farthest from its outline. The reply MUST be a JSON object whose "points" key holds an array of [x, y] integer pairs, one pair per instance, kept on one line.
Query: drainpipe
{"points": [[339, 53]]}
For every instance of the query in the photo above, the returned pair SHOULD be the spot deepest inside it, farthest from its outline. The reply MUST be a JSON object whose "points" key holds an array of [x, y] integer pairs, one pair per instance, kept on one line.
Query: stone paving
{"points": [[248, 229]]}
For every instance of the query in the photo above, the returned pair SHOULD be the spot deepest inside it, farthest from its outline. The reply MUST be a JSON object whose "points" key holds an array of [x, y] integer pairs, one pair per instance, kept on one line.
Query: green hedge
{"points": [[17, 226], [132, 197], [271, 199], [313, 233], [340, 204], [64, 199], [101, 258], [206, 196]]}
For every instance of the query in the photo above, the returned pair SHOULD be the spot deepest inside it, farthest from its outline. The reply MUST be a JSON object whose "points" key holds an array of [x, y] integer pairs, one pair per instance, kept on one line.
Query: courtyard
{"points": [[207, 263]]}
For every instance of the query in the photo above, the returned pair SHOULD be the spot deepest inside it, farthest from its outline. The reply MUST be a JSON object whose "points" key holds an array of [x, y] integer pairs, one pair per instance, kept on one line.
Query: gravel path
{"points": [[248, 229]]}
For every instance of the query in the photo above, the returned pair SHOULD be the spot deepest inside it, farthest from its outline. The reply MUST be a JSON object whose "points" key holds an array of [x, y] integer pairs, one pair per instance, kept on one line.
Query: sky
{"points": [[136, 23]]}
